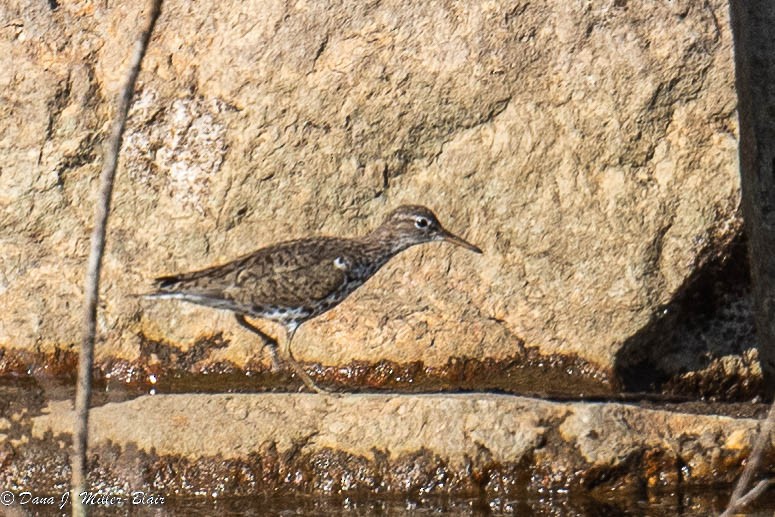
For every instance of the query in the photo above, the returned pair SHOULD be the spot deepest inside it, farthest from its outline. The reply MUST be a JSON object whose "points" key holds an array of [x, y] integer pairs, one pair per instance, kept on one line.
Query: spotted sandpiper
{"points": [[295, 281]]}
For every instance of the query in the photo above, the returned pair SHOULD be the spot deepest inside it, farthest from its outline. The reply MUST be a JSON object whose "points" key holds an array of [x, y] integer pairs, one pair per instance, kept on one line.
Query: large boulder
{"points": [[588, 148]]}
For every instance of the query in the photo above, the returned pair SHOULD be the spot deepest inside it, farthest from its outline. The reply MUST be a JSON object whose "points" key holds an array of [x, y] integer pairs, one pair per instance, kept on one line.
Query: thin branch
{"points": [[739, 498], [91, 290], [755, 492]]}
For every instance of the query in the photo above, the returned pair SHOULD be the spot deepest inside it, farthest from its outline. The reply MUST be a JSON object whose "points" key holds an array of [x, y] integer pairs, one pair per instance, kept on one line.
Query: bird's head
{"points": [[413, 224]]}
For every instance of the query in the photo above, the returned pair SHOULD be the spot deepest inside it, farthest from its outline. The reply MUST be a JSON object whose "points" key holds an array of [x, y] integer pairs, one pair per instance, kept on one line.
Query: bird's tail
{"points": [[155, 295], [163, 287], [185, 287]]}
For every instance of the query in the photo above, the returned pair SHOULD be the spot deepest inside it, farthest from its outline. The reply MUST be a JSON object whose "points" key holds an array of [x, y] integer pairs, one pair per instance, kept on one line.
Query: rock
{"points": [[589, 149], [434, 444]]}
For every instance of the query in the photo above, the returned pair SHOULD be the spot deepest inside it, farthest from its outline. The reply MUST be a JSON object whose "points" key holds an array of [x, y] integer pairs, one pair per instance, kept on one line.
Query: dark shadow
{"points": [[752, 30], [701, 344]]}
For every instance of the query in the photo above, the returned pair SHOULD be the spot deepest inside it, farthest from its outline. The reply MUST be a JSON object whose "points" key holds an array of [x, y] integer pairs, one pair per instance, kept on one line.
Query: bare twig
{"points": [[739, 497], [91, 290], [753, 493]]}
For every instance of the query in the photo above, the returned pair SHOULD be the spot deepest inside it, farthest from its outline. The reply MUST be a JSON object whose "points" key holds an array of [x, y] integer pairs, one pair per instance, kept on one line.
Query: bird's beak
{"points": [[454, 239]]}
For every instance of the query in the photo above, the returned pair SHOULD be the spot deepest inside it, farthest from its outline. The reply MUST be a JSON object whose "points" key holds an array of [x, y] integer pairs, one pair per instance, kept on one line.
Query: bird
{"points": [[294, 281]]}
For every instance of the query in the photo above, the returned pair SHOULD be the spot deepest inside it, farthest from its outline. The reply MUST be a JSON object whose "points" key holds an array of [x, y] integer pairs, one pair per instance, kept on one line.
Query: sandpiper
{"points": [[295, 281]]}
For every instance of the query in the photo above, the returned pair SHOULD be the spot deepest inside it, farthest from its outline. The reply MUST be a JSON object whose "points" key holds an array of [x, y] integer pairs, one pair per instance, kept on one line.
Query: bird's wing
{"points": [[290, 285], [291, 274], [205, 282]]}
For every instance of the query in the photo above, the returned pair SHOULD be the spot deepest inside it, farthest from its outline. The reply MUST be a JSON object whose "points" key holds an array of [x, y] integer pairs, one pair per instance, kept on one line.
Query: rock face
{"points": [[589, 149]]}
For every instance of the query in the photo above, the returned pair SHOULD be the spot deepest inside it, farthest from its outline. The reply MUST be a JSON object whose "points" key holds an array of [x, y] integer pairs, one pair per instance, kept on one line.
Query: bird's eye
{"points": [[421, 223]]}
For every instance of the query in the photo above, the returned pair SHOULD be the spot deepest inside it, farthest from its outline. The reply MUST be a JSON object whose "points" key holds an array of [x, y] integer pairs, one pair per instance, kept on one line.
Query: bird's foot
{"points": [[321, 390], [312, 385]]}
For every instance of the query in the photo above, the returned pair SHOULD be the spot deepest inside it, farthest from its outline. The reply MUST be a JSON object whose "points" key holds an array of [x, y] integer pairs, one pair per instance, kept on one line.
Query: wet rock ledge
{"points": [[472, 444]]}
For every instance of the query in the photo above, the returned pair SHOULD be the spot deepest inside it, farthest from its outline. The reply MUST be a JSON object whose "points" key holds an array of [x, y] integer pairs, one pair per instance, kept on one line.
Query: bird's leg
{"points": [[296, 366], [269, 341]]}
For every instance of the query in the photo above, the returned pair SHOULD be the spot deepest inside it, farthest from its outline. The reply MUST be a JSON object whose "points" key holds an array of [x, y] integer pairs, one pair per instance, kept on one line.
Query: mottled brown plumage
{"points": [[294, 281]]}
